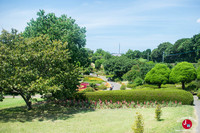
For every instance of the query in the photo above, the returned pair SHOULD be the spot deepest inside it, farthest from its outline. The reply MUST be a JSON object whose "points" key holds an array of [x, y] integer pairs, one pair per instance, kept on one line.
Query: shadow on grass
{"points": [[161, 120], [39, 113]]}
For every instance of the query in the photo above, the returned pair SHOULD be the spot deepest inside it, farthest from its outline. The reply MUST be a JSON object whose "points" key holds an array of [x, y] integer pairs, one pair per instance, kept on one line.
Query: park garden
{"points": [[49, 61]]}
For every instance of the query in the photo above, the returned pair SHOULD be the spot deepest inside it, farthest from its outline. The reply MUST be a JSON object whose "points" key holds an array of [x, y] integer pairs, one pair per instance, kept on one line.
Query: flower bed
{"points": [[113, 105], [83, 86]]}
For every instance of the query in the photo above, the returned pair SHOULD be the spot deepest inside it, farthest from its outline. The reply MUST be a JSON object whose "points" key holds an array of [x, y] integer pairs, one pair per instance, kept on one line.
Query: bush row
{"points": [[141, 95], [81, 104]]}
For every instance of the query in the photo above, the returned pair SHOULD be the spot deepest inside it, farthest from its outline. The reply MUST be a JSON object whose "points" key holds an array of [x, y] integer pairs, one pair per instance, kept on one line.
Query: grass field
{"points": [[13, 102], [54, 118]]}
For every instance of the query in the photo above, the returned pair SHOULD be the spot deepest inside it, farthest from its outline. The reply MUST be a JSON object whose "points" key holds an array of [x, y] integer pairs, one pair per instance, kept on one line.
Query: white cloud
{"points": [[198, 20]]}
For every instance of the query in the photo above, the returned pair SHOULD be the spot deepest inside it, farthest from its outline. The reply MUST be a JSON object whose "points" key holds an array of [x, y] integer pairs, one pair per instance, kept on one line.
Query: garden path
{"points": [[197, 108], [115, 84]]}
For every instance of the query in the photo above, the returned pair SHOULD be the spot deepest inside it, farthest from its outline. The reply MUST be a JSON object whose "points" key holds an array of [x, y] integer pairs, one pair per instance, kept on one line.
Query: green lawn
{"points": [[11, 102], [54, 118]]}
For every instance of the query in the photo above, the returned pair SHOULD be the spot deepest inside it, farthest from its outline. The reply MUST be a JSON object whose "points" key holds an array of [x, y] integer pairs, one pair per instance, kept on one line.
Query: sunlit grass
{"points": [[53, 118], [13, 102]]}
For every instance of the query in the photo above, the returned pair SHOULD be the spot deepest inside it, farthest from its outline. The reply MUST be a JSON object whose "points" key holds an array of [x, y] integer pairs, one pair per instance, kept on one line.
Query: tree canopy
{"points": [[183, 72], [158, 75], [118, 66], [36, 65], [62, 29], [140, 69], [157, 53]]}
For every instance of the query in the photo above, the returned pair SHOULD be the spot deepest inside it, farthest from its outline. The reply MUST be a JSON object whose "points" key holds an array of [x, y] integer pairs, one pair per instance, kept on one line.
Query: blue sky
{"points": [[135, 24]]}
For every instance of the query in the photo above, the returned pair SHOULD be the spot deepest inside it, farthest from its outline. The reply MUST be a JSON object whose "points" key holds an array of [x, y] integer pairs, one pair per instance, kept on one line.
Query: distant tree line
{"points": [[185, 49]]}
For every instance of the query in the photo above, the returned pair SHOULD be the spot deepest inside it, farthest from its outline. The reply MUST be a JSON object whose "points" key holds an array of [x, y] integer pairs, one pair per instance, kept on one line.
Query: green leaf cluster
{"points": [[158, 75], [198, 73], [138, 125], [62, 29], [183, 72], [118, 66], [36, 65]]}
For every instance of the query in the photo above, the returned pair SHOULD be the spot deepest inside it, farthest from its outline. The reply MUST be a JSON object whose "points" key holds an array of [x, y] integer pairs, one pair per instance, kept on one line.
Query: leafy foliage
{"points": [[62, 29], [138, 81], [140, 69], [118, 66], [198, 73], [157, 53], [158, 112], [142, 95], [88, 89], [198, 95], [98, 63], [123, 87], [138, 126], [158, 75], [183, 72], [102, 87], [37, 65]]}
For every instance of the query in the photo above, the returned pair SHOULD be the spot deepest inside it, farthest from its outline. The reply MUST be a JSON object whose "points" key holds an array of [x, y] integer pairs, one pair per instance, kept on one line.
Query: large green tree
{"points": [[196, 46], [157, 53], [183, 72], [133, 54], [36, 65], [118, 66], [182, 50], [158, 75], [61, 29]]}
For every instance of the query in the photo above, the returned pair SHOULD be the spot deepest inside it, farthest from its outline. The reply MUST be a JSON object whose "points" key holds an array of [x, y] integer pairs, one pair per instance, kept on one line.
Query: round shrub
{"points": [[88, 89], [198, 95], [123, 87], [131, 85], [102, 87]]}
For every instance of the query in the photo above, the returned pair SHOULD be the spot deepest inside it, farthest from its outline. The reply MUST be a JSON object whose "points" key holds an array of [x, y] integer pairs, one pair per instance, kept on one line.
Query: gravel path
{"points": [[116, 86], [197, 108]]}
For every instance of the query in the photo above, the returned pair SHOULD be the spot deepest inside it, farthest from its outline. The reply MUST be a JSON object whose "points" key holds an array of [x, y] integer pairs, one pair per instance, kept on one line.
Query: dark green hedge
{"points": [[142, 95]]}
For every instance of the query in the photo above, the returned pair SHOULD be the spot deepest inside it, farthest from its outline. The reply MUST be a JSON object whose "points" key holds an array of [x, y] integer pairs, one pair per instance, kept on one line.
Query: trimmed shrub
{"points": [[138, 126], [123, 87], [131, 85], [88, 89], [141, 95], [138, 81], [102, 87], [158, 112], [198, 95]]}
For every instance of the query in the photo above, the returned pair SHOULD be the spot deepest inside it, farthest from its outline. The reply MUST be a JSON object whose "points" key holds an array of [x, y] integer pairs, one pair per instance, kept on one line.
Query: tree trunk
{"points": [[27, 100], [183, 85], [159, 85]]}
